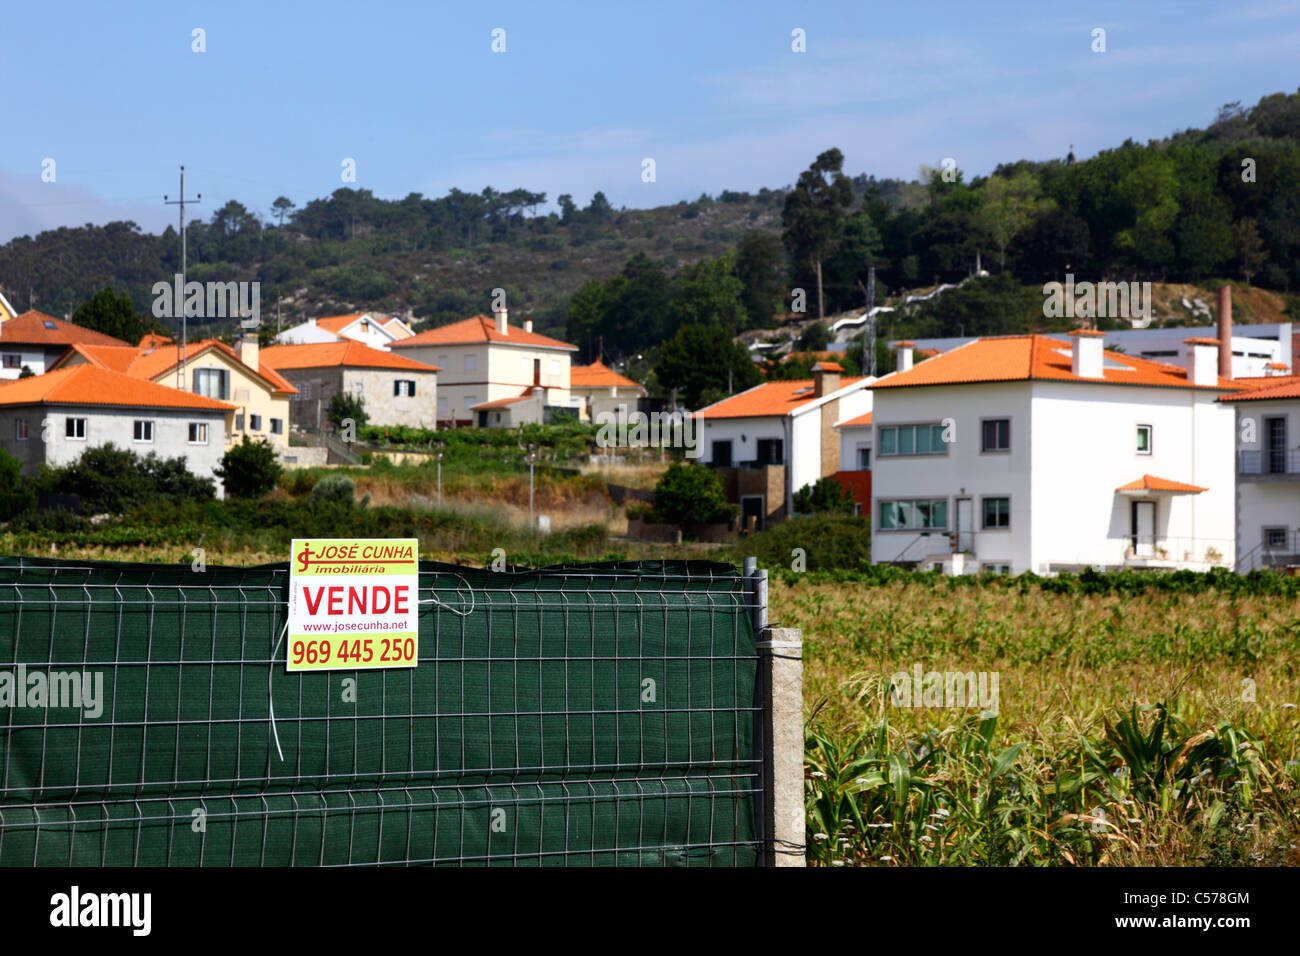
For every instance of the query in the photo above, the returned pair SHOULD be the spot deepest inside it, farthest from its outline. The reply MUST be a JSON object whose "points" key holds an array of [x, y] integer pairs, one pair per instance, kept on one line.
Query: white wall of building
{"points": [[32, 357], [852, 439], [1267, 500]]}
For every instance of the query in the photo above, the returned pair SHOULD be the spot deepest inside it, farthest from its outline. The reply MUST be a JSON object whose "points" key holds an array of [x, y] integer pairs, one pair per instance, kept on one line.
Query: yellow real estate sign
{"points": [[353, 603]]}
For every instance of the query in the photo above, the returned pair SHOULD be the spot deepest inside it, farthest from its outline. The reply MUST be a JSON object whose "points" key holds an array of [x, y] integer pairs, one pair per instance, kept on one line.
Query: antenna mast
{"points": [[182, 347]]}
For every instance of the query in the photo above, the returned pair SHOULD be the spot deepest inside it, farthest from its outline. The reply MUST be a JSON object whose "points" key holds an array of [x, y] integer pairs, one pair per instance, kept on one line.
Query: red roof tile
{"points": [[481, 329], [37, 328], [768, 399], [1152, 483], [858, 422], [598, 375], [91, 385], [1018, 358], [330, 354]]}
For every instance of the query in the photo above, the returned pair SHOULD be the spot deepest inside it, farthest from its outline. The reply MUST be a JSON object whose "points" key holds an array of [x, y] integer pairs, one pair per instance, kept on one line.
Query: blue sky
{"points": [[583, 92]]}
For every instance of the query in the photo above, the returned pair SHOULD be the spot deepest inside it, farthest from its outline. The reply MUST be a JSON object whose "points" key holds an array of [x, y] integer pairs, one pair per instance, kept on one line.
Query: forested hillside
{"points": [[1222, 202]]}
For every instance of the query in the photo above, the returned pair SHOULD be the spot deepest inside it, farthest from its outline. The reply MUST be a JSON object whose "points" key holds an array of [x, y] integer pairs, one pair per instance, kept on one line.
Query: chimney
{"points": [[903, 354], [528, 323], [1225, 331], [826, 378], [1085, 353], [503, 324], [248, 351], [1202, 363]]}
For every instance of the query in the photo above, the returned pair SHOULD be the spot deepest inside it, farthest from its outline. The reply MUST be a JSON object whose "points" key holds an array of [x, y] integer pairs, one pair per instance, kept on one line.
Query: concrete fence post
{"points": [[781, 672]]}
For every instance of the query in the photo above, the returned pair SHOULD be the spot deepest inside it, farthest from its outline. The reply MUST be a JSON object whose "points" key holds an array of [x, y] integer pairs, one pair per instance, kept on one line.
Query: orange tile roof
{"points": [[598, 375], [1262, 389], [157, 355], [481, 329], [33, 328], [858, 422], [768, 399], [345, 352], [828, 367], [1018, 358], [91, 385], [1152, 483], [336, 323], [1277, 365]]}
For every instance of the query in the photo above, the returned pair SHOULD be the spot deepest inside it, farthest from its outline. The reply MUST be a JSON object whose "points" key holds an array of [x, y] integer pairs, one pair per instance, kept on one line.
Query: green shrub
{"points": [[335, 488], [112, 480], [827, 541], [689, 494], [16, 495], [249, 469], [826, 495]]}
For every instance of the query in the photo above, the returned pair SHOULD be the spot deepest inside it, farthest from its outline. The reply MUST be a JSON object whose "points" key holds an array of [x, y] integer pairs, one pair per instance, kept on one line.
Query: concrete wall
{"points": [[116, 426], [964, 471], [1084, 447], [316, 386], [1266, 501], [499, 371], [851, 439]]}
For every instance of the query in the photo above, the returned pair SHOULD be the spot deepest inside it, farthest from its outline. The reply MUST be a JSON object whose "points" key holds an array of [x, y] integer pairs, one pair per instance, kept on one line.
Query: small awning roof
{"points": [[1150, 484]]}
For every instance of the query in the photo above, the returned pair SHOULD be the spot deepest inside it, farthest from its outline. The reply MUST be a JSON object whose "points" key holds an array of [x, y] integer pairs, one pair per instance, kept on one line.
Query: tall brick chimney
{"points": [[1225, 331], [826, 378]]}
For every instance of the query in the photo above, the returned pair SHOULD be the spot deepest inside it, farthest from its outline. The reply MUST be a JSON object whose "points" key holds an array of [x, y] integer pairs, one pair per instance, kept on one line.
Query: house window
{"points": [[255, 423], [20, 429], [997, 434], [471, 363], [1275, 539], [997, 512], [239, 421], [442, 406], [864, 458], [277, 426], [905, 515], [358, 387], [13, 360], [404, 388], [75, 428], [212, 382], [198, 433], [722, 454], [555, 366], [912, 440], [996, 568], [142, 430], [1144, 440], [365, 326], [771, 451], [304, 391]]}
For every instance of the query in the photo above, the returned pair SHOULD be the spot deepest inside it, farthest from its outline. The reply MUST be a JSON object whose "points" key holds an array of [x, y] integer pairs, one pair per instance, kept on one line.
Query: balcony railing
{"points": [[1268, 462], [1282, 549], [1166, 550]]}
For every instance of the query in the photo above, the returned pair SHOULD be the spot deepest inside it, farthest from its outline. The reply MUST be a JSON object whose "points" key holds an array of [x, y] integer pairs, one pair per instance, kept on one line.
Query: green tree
{"points": [[1250, 250], [846, 270], [345, 406], [17, 495], [701, 359], [113, 313], [825, 495], [283, 206], [249, 469], [1150, 193], [760, 267], [814, 212], [1007, 208], [707, 292], [814, 338], [689, 494]]}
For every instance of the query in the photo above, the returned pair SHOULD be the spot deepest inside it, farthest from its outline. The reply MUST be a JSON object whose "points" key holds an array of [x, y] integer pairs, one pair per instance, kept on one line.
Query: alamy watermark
{"points": [[625, 429], [1087, 300], [945, 689], [53, 690], [209, 300]]}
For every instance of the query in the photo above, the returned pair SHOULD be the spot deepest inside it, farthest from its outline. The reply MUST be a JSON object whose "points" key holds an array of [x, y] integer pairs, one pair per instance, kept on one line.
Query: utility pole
{"points": [[869, 337], [182, 346]]}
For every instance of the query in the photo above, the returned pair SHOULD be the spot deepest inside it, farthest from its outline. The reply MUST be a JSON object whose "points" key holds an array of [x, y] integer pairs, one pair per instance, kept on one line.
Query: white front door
{"points": [[965, 525], [1144, 528]]}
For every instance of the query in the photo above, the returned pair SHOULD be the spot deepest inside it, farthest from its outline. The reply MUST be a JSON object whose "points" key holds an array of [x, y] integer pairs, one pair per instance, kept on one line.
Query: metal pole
{"points": [[530, 491], [440, 478], [182, 346]]}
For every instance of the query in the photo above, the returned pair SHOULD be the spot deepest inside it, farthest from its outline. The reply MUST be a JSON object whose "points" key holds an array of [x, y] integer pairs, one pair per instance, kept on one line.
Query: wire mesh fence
{"points": [[587, 715]]}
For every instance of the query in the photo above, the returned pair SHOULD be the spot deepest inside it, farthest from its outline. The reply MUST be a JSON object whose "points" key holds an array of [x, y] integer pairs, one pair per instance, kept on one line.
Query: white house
{"points": [[53, 418], [1027, 453], [603, 391], [771, 440], [1268, 473], [486, 360], [376, 331], [35, 341]]}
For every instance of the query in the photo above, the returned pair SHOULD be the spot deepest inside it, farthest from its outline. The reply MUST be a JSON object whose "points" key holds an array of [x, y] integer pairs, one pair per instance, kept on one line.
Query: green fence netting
{"points": [[597, 714]]}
